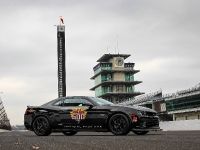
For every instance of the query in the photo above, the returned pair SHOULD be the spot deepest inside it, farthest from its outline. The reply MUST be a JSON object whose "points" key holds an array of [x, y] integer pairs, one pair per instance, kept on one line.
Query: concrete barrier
{"points": [[181, 125], [2, 130]]}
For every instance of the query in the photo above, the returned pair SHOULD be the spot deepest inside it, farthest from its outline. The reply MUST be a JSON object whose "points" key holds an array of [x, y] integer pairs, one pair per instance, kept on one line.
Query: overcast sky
{"points": [[163, 38]]}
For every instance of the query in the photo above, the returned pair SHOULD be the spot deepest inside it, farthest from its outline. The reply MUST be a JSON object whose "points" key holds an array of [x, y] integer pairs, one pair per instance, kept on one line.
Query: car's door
{"points": [[96, 116], [81, 114], [62, 117]]}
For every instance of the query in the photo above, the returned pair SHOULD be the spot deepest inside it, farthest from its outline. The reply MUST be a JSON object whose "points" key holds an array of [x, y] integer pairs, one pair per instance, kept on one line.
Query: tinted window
{"points": [[58, 103], [101, 101], [75, 102]]}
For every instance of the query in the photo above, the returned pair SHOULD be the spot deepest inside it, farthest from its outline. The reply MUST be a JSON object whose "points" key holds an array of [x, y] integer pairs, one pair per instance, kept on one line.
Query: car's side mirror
{"points": [[90, 106]]}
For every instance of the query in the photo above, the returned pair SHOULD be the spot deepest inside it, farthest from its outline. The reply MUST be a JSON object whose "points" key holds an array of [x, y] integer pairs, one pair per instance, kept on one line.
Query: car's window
{"points": [[58, 103], [75, 102], [101, 101]]}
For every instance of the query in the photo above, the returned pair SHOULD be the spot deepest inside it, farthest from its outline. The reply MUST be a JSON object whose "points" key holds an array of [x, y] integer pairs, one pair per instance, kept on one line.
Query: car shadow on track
{"points": [[97, 134], [107, 134]]}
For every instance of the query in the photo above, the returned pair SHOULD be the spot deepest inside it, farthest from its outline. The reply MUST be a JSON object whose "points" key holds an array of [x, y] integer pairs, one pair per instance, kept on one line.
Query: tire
{"points": [[119, 124], [69, 133], [140, 132], [41, 126]]}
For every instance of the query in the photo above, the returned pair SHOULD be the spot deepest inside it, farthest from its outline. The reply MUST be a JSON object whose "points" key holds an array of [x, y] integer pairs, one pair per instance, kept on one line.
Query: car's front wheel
{"points": [[68, 133], [119, 124], [140, 132], [41, 126]]}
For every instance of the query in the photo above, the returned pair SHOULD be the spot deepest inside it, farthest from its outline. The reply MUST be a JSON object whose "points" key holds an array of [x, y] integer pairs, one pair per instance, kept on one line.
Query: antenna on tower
{"points": [[108, 46], [117, 45]]}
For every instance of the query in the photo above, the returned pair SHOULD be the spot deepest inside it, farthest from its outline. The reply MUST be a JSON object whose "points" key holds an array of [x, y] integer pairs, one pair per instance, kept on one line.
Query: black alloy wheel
{"points": [[140, 132], [119, 124], [68, 133], [41, 126]]}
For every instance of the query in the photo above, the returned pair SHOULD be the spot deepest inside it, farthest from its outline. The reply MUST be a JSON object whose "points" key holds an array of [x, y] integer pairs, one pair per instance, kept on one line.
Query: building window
{"points": [[129, 89], [107, 66], [119, 88], [183, 103], [129, 77], [129, 66], [106, 77], [106, 89]]}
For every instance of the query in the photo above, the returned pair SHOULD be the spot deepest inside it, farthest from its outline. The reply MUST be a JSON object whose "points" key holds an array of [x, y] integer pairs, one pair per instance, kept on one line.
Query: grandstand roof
{"points": [[158, 96]]}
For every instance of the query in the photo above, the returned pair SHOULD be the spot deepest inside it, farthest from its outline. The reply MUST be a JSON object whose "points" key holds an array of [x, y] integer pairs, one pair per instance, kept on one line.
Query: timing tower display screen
{"points": [[61, 61]]}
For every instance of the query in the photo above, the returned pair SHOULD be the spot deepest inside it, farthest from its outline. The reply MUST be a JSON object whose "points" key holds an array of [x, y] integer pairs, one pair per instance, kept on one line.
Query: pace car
{"points": [[70, 115]]}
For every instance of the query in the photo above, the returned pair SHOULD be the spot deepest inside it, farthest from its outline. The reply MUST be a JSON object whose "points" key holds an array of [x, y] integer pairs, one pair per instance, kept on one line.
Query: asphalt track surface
{"points": [[176, 140]]}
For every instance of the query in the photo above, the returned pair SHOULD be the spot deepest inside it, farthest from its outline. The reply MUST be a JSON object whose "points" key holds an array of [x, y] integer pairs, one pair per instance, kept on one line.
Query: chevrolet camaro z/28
{"points": [[70, 115]]}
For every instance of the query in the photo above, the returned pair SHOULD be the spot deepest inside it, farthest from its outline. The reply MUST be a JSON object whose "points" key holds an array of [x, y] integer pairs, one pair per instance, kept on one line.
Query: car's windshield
{"points": [[101, 101]]}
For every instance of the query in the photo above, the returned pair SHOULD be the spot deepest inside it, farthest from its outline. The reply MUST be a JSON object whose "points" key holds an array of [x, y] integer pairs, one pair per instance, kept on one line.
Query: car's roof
{"points": [[60, 98]]}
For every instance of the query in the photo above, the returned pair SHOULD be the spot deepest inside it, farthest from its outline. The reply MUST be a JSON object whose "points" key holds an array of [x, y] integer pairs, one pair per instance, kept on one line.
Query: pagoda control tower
{"points": [[114, 79], [61, 58]]}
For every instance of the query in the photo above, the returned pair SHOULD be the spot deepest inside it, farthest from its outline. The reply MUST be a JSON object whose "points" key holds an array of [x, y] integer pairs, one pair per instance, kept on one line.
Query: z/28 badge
{"points": [[78, 114]]}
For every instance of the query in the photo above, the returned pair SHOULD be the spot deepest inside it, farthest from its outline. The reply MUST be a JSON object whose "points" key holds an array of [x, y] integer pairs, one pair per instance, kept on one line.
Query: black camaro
{"points": [[80, 113]]}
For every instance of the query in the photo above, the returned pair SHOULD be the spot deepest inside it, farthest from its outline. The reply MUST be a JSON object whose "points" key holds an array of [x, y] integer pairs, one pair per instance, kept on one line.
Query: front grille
{"points": [[149, 122], [150, 114], [152, 123]]}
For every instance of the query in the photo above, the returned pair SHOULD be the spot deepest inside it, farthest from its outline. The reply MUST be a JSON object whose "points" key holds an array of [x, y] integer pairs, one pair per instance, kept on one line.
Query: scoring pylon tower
{"points": [[114, 79], [61, 59]]}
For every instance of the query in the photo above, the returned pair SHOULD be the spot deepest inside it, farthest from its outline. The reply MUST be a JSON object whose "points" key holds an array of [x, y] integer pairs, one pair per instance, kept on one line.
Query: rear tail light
{"points": [[134, 118]]}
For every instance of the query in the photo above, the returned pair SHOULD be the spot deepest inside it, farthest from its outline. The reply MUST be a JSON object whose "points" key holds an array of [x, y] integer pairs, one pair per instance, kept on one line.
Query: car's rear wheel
{"points": [[140, 132], [119, 124], [68, 133], [41, 126]]}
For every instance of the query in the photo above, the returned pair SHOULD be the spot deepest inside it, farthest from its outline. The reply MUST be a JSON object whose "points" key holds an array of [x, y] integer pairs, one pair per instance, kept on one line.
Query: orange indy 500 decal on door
{"points": [[78, 114]]}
